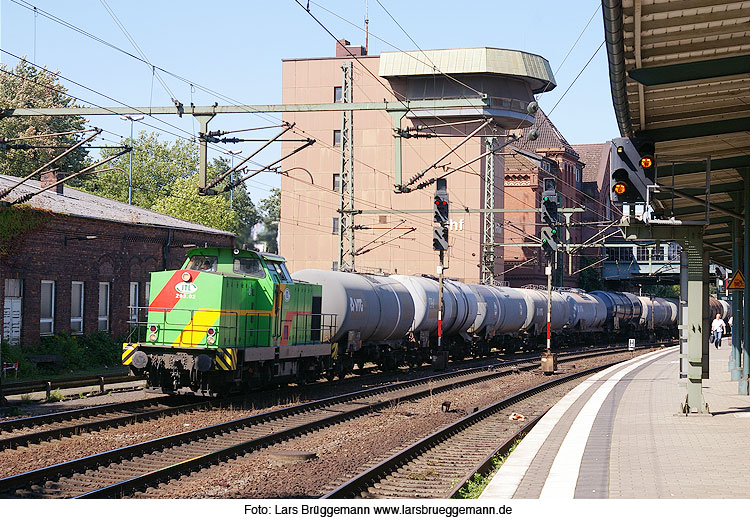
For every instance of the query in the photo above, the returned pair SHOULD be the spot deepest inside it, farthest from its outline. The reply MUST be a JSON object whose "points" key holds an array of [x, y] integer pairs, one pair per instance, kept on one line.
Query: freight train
{"points": [[232, 319]]}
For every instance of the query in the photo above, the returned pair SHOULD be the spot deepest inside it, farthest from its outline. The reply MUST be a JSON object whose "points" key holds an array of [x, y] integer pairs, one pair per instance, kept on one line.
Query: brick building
{"points": [[527, 163], [72, 261], [385, 238]]}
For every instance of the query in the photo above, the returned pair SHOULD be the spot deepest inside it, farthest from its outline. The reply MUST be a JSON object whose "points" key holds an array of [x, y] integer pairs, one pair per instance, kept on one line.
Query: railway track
{"points": [[439, 465], [36, 429], [131, 468]]}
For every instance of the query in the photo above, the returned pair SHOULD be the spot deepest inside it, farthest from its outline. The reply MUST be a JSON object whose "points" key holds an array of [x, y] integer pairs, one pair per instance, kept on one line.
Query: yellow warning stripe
{"points": [[226, 359], [128, 350]]}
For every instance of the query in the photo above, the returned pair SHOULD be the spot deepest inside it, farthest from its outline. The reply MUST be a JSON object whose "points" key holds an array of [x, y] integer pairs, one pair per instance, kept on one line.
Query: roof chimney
{"points": [[344, 49], [50, 178]]}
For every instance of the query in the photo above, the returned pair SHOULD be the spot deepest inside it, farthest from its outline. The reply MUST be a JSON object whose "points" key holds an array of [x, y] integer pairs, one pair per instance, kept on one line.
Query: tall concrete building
{"points": [[449, 94]]}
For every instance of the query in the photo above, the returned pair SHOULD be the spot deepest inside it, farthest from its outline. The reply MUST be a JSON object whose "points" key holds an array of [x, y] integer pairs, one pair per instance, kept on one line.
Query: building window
{"points": [[334, 225], [334, 265], [338, 94], [147, 293], [641, 253], [47, 311], [104, 306], [673, 251], [76, 307], [578, 174], [133, 305], [336, 182], [337, 137], [12, 311]]}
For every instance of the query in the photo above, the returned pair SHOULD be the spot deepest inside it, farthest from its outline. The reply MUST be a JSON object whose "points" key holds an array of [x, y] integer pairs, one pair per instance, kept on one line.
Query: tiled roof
{"points": [[81, 204], [550, 137], [594, 156]]}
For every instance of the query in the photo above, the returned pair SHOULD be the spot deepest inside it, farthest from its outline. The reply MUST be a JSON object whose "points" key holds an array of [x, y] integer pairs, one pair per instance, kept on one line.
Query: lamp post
{"points": [[132, 119], [231, 190]]}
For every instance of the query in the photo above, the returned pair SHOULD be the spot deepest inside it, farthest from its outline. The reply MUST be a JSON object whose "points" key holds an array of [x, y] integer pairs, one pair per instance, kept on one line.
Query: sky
{"points": [[235, 49]]}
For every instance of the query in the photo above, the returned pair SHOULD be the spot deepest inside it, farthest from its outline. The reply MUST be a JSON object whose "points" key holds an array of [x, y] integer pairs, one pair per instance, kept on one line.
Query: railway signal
{"points": [[550, 216], [633, 169], [441, 209], [549, 239]]}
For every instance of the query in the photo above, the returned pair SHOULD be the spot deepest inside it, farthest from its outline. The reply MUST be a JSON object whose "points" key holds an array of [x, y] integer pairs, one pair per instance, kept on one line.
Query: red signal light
{"points": [[647, 161], [620, 188]]}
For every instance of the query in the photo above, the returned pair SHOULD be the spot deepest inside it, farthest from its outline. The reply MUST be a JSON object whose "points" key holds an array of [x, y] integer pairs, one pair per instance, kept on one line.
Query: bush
{"points": [[79, 352]]}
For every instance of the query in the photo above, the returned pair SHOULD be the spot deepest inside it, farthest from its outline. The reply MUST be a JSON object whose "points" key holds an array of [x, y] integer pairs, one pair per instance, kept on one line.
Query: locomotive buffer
{"points": [[550, 243]]}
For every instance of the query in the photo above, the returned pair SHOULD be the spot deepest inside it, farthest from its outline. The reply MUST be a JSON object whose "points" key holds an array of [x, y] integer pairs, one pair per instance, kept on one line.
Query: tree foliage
{"points": [[25, 86], [270, 209], [165, 179], [590, 278]]}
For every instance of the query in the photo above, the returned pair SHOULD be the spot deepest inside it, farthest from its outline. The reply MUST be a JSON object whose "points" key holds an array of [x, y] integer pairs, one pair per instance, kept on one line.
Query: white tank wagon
{"points": [[489, 311], [585, 312], [536, 314], [657, 313], [460, 308], [367, 307], [425, 294]]}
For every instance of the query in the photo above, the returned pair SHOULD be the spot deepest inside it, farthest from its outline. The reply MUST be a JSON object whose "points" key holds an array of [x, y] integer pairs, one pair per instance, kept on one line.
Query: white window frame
{"points": [[133, 312], [104, 318], [146, 293], [51, 319], [76, 319]]}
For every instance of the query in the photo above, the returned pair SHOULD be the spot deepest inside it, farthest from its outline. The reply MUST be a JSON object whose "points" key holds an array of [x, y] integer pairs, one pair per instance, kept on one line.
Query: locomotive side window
{"points": [[250, 266], [280, 269], [204, 263]]}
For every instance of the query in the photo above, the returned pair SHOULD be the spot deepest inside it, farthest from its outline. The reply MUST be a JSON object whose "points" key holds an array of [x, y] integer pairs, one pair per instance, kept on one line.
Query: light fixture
{"points": [[78, 238]]}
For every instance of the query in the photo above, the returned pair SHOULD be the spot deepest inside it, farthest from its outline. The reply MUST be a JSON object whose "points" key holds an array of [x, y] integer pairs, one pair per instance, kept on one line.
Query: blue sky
{"points": [[236, 48]]}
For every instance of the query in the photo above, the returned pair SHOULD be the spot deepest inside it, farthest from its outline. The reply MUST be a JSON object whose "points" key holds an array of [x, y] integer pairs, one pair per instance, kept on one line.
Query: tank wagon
{"points": [[234, 319]]}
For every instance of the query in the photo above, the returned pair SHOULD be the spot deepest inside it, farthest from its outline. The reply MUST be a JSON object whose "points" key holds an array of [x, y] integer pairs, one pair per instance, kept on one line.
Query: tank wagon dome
{"points": [[379, 307]]}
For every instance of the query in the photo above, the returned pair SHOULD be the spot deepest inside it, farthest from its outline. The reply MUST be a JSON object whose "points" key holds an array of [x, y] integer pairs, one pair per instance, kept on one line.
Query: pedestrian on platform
{"points": [[717, 328], [729, 324]]}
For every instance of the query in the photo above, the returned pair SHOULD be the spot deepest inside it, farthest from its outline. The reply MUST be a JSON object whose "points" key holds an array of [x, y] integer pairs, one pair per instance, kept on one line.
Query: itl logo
{"points": [[186, 288], [356, 305], [456, 226]]}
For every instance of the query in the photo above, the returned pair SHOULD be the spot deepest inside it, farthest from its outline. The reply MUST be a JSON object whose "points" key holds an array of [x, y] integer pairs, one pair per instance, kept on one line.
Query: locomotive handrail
{"points": [[229, 320]]}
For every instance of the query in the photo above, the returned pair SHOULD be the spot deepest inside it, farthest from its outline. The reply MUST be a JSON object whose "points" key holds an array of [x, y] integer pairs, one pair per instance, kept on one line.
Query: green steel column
{"points": [[743, 383], [697, 337], [734, 356]]}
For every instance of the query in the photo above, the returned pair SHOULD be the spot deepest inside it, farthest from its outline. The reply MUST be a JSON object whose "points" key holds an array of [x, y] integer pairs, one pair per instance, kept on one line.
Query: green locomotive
{"points": [[228, 320]]}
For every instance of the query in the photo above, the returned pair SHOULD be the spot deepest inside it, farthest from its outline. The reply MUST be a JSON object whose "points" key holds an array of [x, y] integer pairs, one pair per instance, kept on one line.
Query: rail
{"points": [[34, 386]]}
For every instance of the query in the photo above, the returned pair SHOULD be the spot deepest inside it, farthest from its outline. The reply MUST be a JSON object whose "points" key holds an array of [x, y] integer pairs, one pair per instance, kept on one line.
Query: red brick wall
{"points": [[120, 254]]}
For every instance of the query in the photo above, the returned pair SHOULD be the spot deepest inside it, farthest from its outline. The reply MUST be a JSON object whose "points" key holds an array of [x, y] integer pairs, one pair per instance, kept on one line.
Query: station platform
{"points": [[620, 434]]}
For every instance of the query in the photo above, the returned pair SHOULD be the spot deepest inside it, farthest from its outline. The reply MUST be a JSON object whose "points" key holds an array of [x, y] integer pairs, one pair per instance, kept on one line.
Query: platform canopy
{"points": [[680, 77]]}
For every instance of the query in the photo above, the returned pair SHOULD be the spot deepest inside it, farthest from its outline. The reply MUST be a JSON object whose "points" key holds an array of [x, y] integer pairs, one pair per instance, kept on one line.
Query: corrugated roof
{"points": [[81, 204], [481, 60]]}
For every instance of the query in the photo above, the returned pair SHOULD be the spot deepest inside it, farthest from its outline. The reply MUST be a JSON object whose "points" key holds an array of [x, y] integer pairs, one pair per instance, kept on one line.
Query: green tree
{"points": [[157, 166], [591, 278], [25, 86], [270, 209], [247, 214], [182, 200]]}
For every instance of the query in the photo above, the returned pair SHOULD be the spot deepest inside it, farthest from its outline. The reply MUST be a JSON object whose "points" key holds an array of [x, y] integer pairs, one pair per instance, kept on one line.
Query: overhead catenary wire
{"points": [[160, 69]]}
